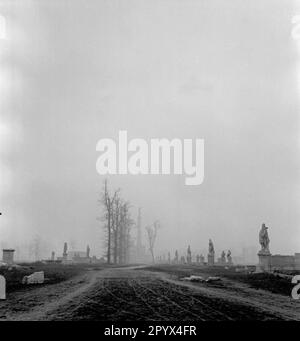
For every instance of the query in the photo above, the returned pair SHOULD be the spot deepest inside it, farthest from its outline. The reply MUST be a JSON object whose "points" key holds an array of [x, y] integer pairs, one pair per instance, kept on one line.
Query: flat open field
{"points": [[149, 294]]}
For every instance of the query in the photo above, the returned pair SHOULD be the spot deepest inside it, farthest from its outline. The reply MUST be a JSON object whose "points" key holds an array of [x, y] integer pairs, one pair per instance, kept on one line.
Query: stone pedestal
{"points": [[210, 259], [8, 256], [229, 261], [264, 259], [221, 261]]}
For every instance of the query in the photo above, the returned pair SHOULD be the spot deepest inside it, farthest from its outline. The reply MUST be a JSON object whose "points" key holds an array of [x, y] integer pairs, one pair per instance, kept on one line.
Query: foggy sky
{"points": [[76, 71]]}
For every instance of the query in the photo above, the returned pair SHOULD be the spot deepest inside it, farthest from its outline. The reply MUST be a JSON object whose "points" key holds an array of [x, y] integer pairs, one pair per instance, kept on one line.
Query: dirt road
{"points": [[121, 294]]}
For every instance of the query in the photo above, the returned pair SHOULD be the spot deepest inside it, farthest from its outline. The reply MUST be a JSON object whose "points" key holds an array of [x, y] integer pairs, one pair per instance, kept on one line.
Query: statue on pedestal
{"points": [[211, 253], [264, 240], [229, 258], [176, 259], [223, 257], [189, 255], [264, 254], [65, 252], [211, 249]]}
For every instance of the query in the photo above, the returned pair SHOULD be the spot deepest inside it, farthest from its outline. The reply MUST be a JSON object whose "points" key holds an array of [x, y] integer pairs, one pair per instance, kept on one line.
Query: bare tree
{"points": [[116, 228], [122, 233], [152, 233], [118, 224], [108, 201]]}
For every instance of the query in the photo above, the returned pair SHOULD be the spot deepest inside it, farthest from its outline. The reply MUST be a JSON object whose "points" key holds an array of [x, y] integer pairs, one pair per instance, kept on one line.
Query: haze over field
{"points": [[73, 72]]}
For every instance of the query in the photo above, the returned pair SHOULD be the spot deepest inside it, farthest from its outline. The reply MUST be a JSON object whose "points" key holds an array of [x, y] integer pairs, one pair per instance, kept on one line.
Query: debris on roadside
{"points": [[213, 279], [280, 275], [194, 278], [35, 278]]}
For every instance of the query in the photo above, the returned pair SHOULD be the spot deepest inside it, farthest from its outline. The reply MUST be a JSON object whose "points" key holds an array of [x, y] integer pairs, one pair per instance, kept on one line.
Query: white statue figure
{"points": [[211, 249], [264, 239]]}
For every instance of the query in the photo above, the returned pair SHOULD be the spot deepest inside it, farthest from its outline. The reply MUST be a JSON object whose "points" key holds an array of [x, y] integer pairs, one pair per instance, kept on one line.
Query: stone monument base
{"points": [[264, 259], [210, 260], [229, 261]]}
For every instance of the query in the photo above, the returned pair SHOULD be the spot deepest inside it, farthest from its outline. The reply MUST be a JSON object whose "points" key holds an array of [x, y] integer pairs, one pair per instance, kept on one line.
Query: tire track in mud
{"points": [[198, 301], [169, 300], [140, 295], [97, 306], [105, 286]]}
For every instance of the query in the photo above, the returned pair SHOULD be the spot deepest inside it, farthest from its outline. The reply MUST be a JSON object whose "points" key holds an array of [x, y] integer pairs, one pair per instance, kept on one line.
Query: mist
{"points": [[73, 72]]}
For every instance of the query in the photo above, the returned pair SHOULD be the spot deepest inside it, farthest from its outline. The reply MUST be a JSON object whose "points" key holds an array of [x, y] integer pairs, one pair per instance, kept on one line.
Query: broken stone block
{"points": [[35, 278], [213, 279]]}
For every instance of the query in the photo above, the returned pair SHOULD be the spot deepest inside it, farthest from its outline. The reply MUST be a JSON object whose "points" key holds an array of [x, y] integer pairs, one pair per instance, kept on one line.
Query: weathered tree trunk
{"points": [[116, 231], [152, 255], [109, 236], [120, 251]]}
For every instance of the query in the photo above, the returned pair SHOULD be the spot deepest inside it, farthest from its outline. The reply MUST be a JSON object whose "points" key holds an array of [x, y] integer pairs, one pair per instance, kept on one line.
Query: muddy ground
{"points": [[150, 294]]}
